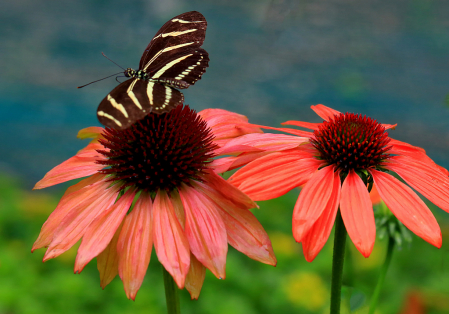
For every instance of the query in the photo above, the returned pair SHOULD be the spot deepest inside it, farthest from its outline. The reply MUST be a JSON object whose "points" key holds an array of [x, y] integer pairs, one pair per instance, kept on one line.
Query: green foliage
{"points": [[294, 286]]}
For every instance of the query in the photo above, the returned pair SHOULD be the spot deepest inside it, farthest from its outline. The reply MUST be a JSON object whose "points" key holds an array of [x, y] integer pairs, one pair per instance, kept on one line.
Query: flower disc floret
{"points": [[350, 141], [159, 151]]}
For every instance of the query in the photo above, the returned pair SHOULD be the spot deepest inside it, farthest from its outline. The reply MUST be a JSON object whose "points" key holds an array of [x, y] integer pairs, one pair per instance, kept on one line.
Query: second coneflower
{"points": [[163, 165], [337, 164]]}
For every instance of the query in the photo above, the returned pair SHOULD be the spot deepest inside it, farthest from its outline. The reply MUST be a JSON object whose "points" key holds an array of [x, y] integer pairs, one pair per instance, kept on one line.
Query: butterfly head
{"points": [[130, 72]]}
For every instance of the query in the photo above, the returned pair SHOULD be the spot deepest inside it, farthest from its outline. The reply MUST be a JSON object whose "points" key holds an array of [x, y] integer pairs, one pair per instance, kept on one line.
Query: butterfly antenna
{"points": [[100, 79], [112, 61]]}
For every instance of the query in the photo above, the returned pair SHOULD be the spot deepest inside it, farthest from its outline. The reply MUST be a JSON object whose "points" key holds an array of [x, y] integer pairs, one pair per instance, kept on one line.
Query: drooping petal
{"points": [[226, 124], [170, 242], [324, 112], [195, 277], [86, 189], [317, 236], [357, 213], [205, 230], [261, 142], [73, 168], [287, 130], [244, 231], [135, 244], [307, 125], [275, 174], [312, 201], [408, 207], [426, 178], [78, 218], [216, 184], [100, 232], [374, 195], [107, 261]]}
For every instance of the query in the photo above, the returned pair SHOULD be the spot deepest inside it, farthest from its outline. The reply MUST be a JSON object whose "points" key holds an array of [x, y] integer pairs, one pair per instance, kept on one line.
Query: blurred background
{"points": [[270, 60]]}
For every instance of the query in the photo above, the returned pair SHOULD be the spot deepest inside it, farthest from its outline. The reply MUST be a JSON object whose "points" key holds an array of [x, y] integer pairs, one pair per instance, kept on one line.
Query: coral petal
{"points": [[170, 242], [357, 213], [408, 207], [315, 239], [244, 231], [100, 232], [324, 112], [312, 201], [135, 244], [86, 188], [79, 217], [73, 168], [426, 178], [275, 174], [205, 230], [195, 277], [107, 261], [307, 125], [261, 142]]}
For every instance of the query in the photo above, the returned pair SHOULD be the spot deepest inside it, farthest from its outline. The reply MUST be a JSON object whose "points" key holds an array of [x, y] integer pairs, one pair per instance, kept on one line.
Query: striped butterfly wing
{"points": [[187, 66], [133, 99], [186, 31]]}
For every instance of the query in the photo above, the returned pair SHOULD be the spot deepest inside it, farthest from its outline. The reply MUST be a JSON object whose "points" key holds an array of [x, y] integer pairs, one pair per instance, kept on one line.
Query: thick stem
{"points": [[171, 293], [337, 264], [382, 275]]}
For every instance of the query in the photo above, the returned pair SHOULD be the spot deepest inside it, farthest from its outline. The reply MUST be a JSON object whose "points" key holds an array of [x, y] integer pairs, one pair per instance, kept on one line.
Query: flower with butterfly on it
{"points": [[155, 183], [337, 163]]}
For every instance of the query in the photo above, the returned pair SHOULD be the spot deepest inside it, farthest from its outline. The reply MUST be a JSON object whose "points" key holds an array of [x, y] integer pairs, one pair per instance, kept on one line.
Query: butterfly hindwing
{"points": [[133, 99], [185, 31]]}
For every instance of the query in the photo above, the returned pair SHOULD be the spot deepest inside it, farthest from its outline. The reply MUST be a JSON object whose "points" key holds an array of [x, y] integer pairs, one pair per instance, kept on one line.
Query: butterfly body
{"points": [[173, 60]]}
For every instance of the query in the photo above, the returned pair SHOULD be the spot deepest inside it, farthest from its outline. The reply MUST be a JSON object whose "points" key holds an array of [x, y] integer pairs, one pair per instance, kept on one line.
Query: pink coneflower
{"points": [[336, 163], [154, 184]]}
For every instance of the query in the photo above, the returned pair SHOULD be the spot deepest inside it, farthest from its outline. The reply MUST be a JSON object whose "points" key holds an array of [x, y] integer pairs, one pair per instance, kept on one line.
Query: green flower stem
{"points": [[337, 264], [171, 293], [383, 273]]}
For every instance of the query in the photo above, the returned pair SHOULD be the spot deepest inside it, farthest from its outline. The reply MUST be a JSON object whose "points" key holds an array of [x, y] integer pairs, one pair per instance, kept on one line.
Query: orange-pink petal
{"points": [[195, 277], [107, 261], [170, 242], [307, 125], [100, 231], [244, 231], [73, 168], [205, 230], [78, 218], [261, 142], [135, 244], [226, 124], [317, 236], [275, 174], [324, 112], [312, 201], [357, 213], [426, 178], [408, 207], [76, 194]]}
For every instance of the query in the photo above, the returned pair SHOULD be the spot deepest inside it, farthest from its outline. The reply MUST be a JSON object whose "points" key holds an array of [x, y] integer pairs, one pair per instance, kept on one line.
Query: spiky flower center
{"points": [[159, 151], [350, 141]]}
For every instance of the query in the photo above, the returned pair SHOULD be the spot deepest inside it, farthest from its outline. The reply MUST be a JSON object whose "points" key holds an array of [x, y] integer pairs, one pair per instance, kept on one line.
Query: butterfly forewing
{"points": [[185, 31], [133, 99], [186, 66]]}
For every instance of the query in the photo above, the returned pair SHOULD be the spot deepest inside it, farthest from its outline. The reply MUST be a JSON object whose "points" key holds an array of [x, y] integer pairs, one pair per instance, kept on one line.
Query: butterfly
{"points": [[172, 60]]}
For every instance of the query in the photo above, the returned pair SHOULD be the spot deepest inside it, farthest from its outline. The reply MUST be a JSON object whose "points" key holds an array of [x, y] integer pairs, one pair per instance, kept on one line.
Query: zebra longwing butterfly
{"points": [[172, 60]]}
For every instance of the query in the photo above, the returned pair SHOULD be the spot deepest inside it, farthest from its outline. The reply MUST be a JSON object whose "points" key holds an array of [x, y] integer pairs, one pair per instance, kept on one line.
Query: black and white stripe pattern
{"points": [[173, 60]]}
